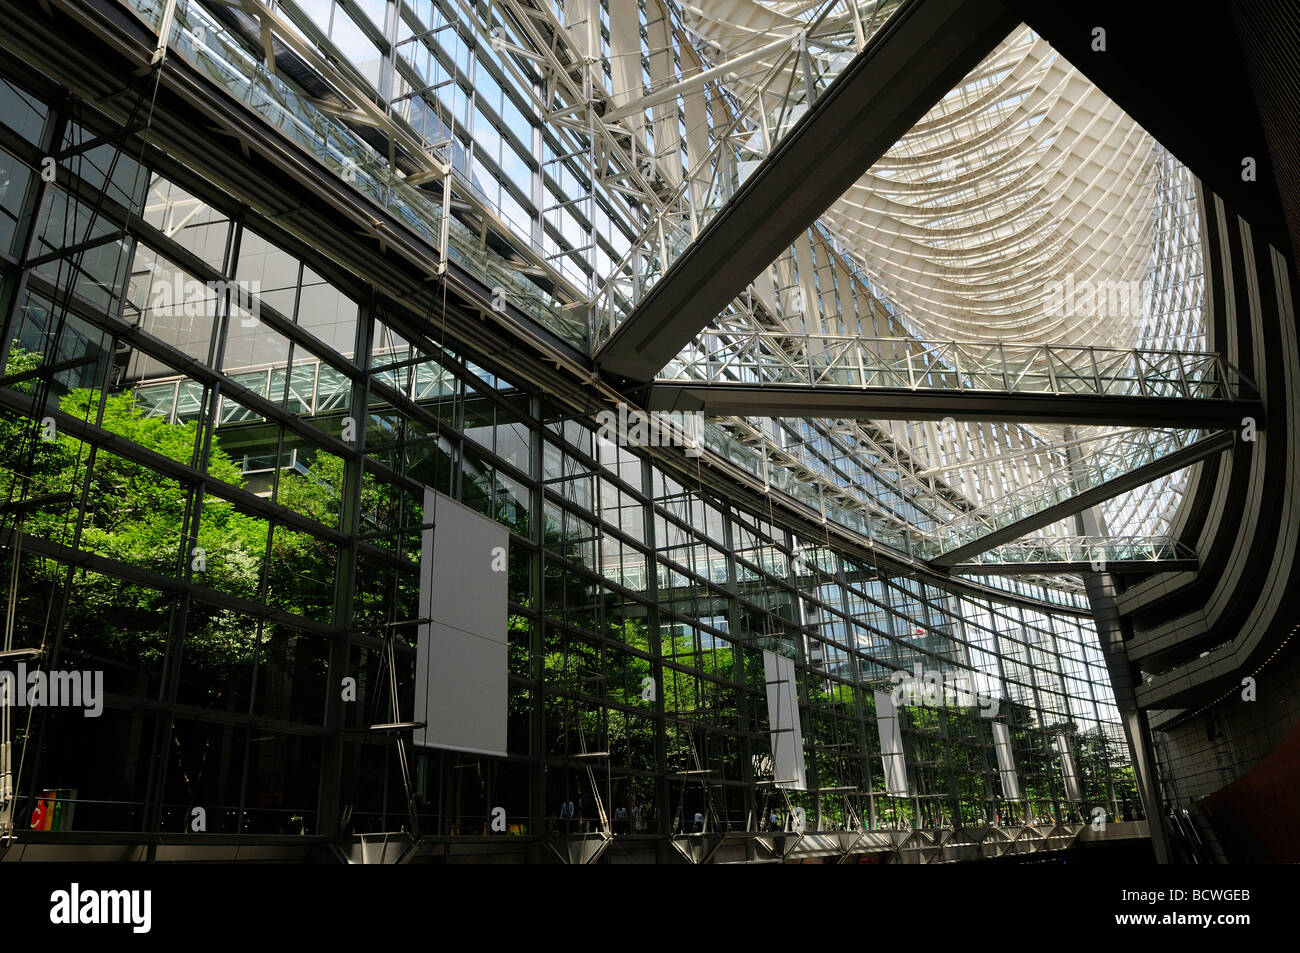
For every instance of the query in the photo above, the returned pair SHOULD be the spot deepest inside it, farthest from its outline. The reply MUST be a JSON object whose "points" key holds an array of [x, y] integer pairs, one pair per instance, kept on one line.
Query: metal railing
{"points": [[204, 43], [790, 74], [847, 361], [1081, 549], [1106, 460]]}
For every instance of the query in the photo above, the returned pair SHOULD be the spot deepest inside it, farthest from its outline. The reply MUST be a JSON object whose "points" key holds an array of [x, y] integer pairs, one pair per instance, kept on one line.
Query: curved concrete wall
{"points": [[1245, 508]]}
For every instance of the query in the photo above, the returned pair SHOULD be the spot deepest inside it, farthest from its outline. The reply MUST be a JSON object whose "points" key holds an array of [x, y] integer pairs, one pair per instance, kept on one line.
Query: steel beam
{"points": [[889, 403], [1118, 567], [1206, 447], [913, 61], [1083, 554]]}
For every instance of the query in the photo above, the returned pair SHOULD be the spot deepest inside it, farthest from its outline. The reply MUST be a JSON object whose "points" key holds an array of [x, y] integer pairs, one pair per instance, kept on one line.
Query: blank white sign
{"points": [[891, 745], [1006, 761], [1068, 773], [783, 718], [461, 660]]}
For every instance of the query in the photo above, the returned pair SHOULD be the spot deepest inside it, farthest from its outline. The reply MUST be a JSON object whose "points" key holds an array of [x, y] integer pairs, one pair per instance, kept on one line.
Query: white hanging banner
{"points": [[461, 659], [891, 745], [783, 717], [1071, 777], [1006, 761]]}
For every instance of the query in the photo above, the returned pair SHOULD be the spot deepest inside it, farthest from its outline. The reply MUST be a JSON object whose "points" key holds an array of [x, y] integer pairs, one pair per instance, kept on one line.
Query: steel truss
{"points": [[1137, 458], [781, 80], [1083, 554], [912, 488], [786, 374]]}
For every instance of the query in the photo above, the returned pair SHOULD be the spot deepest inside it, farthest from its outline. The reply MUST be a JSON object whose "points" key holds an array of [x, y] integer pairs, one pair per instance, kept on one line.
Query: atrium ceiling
{"points": [[1025, 208], [1023, 228], [1024, 175]]}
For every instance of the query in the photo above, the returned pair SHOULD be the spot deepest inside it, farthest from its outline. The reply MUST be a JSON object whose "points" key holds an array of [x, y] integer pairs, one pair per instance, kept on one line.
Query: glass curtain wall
{"points": [[214, 454]]}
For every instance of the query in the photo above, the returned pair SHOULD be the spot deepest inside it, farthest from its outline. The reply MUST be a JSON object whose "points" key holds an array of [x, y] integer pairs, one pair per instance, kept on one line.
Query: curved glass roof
{"points": [[1025, 208]]}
